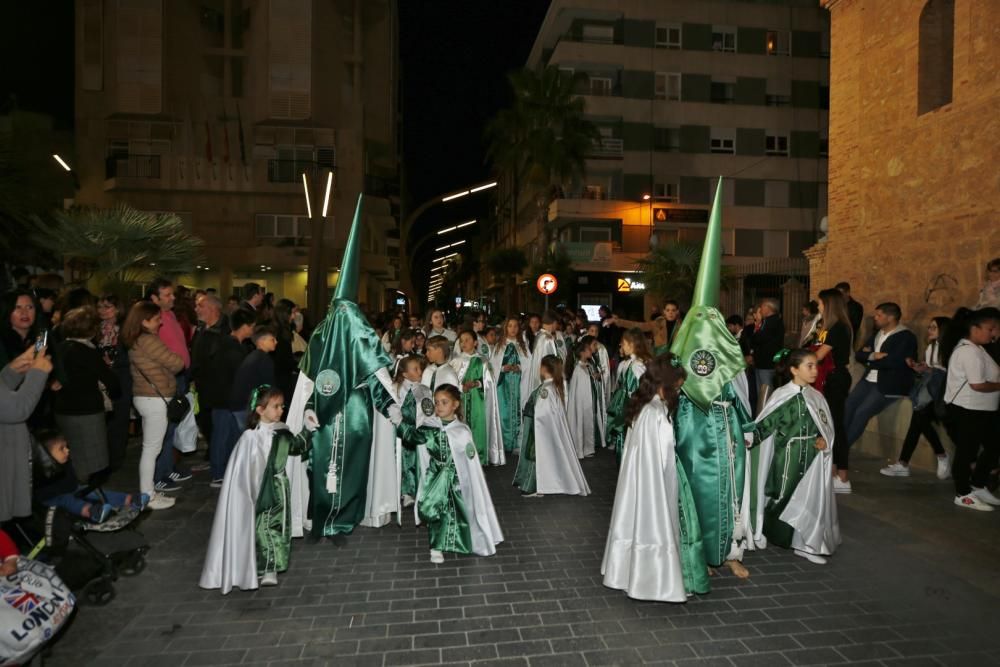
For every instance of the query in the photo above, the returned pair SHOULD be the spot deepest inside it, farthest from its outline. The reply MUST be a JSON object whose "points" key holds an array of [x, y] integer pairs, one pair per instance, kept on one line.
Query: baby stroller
{"points": [[88, 556]]}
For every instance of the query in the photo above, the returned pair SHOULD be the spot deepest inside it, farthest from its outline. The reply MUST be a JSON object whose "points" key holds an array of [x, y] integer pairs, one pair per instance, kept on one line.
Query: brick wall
{"points": [[913, 200]]}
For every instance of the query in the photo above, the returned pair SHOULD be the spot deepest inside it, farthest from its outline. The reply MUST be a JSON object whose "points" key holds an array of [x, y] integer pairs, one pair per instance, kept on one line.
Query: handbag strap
{"points": [[151, 384]]}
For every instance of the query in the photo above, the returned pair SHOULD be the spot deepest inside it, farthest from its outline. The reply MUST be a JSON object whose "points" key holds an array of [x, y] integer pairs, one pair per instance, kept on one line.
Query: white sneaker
{"points": [[269, 579], [943, 467], [985, 496], [812, 558], [160, 501], [896, 470], [437, 556], [970, 501], [841, 487]]}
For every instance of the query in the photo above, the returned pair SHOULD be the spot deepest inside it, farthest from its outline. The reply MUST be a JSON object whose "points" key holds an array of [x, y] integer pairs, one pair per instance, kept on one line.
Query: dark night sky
{"points": [[455, 55]]}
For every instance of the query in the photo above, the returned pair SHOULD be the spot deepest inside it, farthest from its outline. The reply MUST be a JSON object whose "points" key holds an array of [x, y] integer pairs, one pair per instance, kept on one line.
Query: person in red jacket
{"points": [[8, 555]]}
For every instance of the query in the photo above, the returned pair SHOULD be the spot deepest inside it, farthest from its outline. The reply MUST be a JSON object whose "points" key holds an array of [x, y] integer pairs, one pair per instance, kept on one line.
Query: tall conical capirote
{"points": [[703, 344], [706, 287], [350, 265]]}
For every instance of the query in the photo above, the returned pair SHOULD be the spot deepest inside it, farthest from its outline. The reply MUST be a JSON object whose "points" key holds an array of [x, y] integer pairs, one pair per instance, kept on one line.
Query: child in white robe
{"points": [[548, 462], [585, 407]]}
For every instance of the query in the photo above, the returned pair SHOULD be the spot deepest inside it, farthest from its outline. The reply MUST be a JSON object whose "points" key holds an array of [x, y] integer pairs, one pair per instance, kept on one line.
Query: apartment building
{"points": [[682, 93], [217, 109]]}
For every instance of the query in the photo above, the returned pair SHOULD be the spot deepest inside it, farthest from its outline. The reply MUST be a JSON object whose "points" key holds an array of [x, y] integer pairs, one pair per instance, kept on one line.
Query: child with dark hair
{"points": [[795, 505], [585, 408], [654, 549], [438, 371], [548, 462], [635, 356], [402, 346], [251, 532], [479, 398], [255, 370], [416, 404], [55, 483], [454, 500]]}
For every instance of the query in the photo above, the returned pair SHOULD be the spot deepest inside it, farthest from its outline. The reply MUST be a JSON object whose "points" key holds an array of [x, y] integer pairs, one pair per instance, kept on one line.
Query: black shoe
{"points": [[180, 475], [166, 485]]}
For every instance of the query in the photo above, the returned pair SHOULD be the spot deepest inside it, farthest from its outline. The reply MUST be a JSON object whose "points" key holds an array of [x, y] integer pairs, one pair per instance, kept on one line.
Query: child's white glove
{"points": [[395, 415], [309, 420]]}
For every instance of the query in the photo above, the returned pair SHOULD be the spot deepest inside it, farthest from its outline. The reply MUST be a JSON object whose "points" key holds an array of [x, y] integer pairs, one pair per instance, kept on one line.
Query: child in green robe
{"points": [[795, 506]]}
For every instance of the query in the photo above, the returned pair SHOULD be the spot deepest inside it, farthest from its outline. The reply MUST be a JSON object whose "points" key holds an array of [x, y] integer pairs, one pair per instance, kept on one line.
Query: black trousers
{"points": [[836, 389], [921, 424], [117, 428], [977, 440]]}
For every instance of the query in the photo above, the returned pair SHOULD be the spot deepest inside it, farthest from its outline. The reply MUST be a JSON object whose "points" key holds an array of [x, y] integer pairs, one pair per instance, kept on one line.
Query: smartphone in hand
{"points": [[42, 340]]}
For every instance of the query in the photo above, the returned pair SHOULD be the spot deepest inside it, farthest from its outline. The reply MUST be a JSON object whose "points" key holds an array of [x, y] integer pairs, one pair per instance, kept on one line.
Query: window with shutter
{"points": [[290, 59], [140, 56]]}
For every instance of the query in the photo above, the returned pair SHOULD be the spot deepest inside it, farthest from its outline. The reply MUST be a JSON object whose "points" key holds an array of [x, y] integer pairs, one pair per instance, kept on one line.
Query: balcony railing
{"points": [[599, 195], [607, 147], [132, 166]]}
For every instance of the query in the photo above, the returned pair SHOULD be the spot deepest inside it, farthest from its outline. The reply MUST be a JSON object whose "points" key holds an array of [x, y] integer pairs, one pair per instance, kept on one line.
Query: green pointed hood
{"points": [[703, 345], [350, 265]]}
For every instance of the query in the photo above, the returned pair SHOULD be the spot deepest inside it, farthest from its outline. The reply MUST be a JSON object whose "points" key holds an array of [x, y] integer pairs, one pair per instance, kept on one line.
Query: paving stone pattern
{"points": [[373, 598]]}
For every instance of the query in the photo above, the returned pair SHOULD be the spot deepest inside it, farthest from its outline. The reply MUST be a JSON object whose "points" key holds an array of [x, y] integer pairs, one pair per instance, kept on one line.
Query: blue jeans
{"points": [[75, 505], [864, 402], [225, 433], [165, 461]]}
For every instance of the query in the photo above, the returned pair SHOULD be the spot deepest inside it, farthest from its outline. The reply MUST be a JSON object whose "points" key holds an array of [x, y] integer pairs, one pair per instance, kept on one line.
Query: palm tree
{"points": [[506, 263], [672, 270], [543, 139], [120, 246]]}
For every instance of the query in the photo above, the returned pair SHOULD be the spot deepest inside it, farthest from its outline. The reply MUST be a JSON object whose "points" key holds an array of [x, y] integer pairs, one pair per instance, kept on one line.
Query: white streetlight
{"points": [[485, 186], [326, 197], [62, 163], [305, 188], [453, 228], [450, 245]]}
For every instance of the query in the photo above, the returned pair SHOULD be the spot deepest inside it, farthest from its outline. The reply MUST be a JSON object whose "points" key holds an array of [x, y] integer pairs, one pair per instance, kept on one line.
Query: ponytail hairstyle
{"points": [[785, 361], [455, 395], [397, 344], [640, 348], [663, 375], [574, 359], [406, 361], [554, 365], [259, 398]]}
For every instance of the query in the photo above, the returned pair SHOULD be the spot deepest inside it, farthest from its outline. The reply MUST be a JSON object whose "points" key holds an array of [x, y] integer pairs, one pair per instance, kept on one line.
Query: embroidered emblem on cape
{"points": [[702, 363], [484, 350], [427, 406], [328, 382], [470, 450], [544, 393], [822, 417]]}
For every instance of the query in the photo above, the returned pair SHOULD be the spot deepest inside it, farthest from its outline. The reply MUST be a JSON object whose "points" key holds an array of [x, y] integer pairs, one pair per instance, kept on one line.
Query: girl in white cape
{"points": [[251, 532], [795, 506], [602, 360], [635, 353], [548, 463], [585, 408], [479, 398], [454, 500], [510, 361], [654, 549]]}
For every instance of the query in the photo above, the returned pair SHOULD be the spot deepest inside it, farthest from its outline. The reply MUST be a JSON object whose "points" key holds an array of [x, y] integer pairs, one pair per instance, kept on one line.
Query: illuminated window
{"points": [[778, 43]]}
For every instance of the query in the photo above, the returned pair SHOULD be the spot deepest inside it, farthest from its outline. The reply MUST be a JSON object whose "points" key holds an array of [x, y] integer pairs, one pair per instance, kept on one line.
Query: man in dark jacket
{"points": [[855, 311], [212, 326], [887, 377], [766, 341], [216, 359]]}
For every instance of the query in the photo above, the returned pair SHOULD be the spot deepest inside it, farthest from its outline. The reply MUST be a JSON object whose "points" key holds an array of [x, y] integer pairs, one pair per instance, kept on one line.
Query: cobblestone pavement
{"points": [[914, 583]]}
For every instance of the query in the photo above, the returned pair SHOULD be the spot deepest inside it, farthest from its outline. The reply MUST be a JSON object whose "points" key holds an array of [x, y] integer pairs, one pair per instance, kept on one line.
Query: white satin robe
{"points": [[557, 467], [642, 554], [460, 363], [581, 412]]}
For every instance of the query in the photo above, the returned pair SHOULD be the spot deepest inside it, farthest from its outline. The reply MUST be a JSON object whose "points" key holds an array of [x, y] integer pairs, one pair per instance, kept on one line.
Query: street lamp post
{"points": [[318, 265]]}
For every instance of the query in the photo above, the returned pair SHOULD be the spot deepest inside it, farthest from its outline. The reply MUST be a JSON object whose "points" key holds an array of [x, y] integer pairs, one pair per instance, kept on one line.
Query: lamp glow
{"points": [[305, 188], [485, 186], [465, 224], [455, 196], [62, 163], [326, 197]]}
